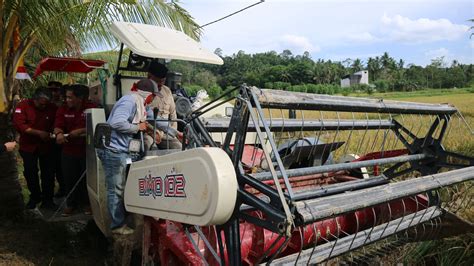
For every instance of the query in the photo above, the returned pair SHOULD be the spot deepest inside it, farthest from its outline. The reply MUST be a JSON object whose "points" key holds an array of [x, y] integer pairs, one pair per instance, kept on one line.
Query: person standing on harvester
{"points": [[164, 101], [128, 117]]}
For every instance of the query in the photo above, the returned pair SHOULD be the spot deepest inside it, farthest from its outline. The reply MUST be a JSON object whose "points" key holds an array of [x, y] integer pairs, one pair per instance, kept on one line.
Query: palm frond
{"points": [[53, 22]]}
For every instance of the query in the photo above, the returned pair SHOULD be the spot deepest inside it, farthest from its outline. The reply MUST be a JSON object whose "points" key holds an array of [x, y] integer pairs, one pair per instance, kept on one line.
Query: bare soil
{"points": [[31, 240]]}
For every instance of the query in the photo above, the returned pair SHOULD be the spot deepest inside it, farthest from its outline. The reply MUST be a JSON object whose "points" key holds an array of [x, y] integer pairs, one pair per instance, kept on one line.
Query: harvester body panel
{"points": [[196, 186]]}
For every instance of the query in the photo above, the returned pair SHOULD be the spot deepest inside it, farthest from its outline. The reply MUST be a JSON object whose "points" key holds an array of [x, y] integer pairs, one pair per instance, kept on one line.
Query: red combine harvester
{"points": [[267, 185]]}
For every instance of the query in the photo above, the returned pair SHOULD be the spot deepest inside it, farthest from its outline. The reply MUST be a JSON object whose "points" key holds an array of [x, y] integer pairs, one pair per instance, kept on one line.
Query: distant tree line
{"points": [[286, 71]]}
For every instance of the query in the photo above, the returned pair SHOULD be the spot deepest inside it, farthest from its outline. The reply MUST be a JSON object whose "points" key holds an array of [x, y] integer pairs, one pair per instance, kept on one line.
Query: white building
{"points": [[361, 77]]}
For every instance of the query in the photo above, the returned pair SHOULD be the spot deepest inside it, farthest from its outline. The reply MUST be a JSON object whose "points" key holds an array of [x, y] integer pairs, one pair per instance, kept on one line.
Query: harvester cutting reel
{"points": [[261, 187]]}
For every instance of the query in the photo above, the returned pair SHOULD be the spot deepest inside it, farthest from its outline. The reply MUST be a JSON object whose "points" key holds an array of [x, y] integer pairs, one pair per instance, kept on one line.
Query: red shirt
{"points": [[26, 116], [69, 119]]}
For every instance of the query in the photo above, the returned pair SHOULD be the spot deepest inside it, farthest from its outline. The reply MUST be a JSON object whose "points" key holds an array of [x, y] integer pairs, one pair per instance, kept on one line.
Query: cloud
{"points": [[448, 56], [422, 30], [363, 37], [362, 56], [438, 53], [298, 43]]}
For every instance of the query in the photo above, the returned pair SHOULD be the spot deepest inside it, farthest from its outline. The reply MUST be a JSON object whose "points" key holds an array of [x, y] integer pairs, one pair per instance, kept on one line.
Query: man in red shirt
{"points": [[56, 88], [70, 130], [34, 120]]}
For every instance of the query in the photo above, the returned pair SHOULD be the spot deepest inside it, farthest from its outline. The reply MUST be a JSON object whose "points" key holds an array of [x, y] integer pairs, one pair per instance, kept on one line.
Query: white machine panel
{"points": [[95, 174], [158, 42], [197, 186]]}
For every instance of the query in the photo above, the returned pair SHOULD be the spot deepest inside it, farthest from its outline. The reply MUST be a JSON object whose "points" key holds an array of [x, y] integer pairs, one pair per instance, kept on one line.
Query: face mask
{"points": [[146, 95]]}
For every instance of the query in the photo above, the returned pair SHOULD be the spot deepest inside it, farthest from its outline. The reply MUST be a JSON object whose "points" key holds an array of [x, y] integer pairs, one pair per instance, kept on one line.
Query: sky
{"points": [[413, 30]]}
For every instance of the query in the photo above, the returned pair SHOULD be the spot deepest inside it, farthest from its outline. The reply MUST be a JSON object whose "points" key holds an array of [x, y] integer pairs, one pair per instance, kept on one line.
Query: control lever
{"points": [[155, 115], [142, 142], [162, 125]]}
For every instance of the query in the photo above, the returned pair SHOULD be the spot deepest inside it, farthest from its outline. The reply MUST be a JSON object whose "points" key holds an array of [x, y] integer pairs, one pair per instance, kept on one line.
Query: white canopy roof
{"points": [[158, 42]]}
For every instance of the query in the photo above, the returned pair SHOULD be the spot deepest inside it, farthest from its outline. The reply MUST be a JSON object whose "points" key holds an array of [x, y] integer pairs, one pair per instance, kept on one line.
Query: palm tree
{"points": [[374, 67], [357, 65], [64, 27], [388, 63], [471, 28], [218, 51], [401, 64]]}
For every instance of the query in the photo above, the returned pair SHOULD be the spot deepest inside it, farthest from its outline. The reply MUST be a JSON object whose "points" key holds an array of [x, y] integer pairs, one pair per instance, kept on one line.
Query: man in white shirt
{"points": [[164, 101]]}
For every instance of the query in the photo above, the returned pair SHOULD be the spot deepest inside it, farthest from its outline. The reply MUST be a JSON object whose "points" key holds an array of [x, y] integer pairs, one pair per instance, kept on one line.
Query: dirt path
{"points": [[33, 241]]}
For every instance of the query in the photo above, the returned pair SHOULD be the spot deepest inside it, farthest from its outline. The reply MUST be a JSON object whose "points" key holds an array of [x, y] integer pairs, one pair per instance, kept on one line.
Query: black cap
{"points": [[146, 85], [157, 69]]}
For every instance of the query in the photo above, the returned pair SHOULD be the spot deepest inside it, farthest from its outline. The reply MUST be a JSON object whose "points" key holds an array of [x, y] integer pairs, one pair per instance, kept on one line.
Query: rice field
{"points": [[458, 137], [461, 138]]}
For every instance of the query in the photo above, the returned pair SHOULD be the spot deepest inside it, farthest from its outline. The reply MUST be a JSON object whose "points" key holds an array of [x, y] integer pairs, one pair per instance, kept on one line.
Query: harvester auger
{"points": [[318, 176]]}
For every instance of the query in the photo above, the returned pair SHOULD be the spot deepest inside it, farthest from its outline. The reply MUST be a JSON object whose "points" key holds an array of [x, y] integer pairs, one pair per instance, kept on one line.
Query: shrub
{"points": [[311, 88], [281, 85], [214, 91], [315, 88], [192, 90], [268, 85], [346, 91], [298, 88], [381, 85]]}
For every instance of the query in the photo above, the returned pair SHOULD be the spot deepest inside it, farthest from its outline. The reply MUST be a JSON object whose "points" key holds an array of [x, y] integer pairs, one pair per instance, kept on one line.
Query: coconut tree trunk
{"points": [[11, 197]]}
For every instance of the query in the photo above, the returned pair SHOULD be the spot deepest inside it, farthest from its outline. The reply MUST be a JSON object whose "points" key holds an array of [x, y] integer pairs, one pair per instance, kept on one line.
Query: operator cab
{"points": [[140, 44]]}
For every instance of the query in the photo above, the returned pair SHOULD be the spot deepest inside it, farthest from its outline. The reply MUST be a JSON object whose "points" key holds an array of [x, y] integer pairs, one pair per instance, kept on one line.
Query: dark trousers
{"points": [[73, 168], [30, 164], [57, 169]]}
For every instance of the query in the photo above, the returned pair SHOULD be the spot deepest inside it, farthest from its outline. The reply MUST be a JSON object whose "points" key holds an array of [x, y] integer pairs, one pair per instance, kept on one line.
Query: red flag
{"points": [[21, 72]]}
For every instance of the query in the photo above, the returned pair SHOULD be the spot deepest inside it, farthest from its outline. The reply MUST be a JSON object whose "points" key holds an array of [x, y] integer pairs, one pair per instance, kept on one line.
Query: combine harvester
{"points": [[263, 186]]}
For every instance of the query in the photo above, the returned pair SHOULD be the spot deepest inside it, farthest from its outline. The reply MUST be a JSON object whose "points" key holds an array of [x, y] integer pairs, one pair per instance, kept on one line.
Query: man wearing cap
{"points": [[164, 101], [34, 120], [128, 117]]}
